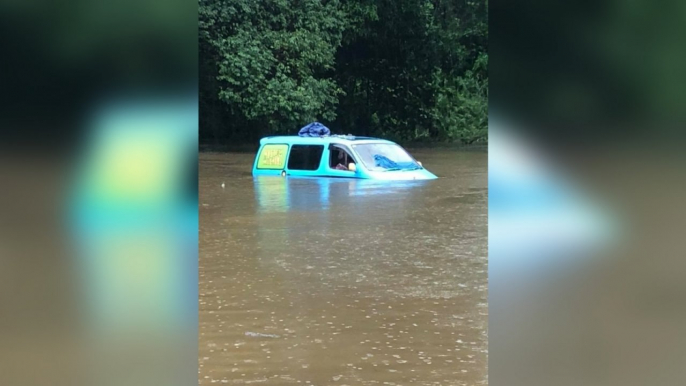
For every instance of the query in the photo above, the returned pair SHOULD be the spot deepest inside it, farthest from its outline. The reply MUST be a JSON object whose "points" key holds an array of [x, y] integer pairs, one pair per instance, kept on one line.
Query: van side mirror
{"points": [[420, 164], [352, 167]]}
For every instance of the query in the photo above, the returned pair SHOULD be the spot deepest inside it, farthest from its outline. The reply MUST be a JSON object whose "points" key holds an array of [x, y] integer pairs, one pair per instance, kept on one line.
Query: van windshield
{"points": [[385, 156]]}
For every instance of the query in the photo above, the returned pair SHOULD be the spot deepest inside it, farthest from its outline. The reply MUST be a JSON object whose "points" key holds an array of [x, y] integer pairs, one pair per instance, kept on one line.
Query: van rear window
{"points": [[272, 157], [305, 157]]}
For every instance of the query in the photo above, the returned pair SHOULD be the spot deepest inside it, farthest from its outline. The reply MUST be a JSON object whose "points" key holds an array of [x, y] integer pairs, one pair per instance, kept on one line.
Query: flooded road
{"points": [[343, 282]]}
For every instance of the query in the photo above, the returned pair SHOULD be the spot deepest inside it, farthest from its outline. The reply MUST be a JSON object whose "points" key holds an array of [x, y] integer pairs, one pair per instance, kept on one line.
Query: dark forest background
{"points": [[406, 70]]}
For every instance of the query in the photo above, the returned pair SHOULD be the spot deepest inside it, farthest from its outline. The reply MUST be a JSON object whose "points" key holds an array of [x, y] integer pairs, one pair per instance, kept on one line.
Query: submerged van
{"points": [[337, 156]]}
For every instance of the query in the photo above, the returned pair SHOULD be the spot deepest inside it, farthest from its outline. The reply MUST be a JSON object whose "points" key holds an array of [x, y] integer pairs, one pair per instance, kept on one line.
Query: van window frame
{"points": [[285, 161], [319, 164], [345, 148]]}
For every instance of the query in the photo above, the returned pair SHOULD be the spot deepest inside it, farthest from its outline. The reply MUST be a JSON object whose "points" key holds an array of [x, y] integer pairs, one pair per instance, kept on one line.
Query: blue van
{"points": [[336, 156]]}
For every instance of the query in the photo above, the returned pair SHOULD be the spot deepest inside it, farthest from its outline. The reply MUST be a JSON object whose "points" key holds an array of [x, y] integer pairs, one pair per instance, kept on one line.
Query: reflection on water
{"points": [[339, 281], [277, 194]]}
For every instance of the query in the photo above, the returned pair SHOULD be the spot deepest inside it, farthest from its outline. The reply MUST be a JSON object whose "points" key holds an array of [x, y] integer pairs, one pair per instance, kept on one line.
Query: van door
{"points": [[305, 160], [339, 158]]}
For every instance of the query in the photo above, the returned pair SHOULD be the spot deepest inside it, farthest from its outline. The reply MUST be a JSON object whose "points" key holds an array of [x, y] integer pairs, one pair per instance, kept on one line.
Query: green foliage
{"points": [[461, 109], [272, 58], [402, 69]]}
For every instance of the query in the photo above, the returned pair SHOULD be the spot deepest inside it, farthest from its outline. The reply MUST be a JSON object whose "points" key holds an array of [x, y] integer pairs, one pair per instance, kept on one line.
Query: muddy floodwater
{"points": [[343, 282]]}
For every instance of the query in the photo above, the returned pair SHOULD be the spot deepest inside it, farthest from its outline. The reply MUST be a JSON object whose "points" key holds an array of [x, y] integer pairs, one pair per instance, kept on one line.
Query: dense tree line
{"points": [[407, 70]]}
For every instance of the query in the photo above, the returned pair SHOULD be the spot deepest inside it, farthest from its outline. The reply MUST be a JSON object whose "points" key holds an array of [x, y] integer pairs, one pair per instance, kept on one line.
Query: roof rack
{"points": [[342, 136]]}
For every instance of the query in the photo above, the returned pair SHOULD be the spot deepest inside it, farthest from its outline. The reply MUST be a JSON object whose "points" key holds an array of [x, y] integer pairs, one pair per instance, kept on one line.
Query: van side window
{"points": [[305, 157], [339, 158], [272, 156]]}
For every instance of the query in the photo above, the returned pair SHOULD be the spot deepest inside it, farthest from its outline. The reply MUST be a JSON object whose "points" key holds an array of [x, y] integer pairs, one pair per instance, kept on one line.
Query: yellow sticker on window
{"points": [[272, 157]]}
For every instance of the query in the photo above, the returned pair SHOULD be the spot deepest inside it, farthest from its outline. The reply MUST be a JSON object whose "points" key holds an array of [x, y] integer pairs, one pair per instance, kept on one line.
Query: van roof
{"points": [[343, 139]]}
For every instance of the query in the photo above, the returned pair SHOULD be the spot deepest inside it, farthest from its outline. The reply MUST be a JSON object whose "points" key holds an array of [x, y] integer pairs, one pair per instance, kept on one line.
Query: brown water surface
{"points": [[343, 282]]}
